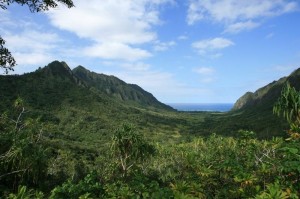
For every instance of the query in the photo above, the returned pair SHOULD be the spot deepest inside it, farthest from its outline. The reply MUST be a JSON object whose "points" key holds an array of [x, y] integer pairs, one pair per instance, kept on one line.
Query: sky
{"points": [[182, 51]]}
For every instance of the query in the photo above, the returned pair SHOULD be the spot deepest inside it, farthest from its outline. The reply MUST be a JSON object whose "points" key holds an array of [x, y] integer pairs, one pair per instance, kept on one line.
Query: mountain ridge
{"points": [[267, 95], [117, 88], [57, 77]]}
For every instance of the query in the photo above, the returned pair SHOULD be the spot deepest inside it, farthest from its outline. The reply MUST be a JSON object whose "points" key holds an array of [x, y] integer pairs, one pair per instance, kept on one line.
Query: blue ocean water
{"points": [[221, 107]]}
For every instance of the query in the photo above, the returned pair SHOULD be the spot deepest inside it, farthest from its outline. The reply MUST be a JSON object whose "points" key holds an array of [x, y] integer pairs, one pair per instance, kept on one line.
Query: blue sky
{"points": [[193, 51]]}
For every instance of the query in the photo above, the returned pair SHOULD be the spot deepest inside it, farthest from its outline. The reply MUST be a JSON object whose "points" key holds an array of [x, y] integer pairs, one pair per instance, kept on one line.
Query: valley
{"points": [[89, 126]]}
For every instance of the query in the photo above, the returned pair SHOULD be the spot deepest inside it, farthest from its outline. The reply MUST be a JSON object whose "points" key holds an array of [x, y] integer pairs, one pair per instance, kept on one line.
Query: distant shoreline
{"points": [[209, 107]]}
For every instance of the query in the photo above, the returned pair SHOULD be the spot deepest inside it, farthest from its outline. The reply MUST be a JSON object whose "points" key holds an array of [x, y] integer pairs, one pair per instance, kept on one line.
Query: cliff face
{"points": [[267, 95]]}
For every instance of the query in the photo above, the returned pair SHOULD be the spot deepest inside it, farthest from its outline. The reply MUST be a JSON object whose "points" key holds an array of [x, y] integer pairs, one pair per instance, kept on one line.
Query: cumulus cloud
{"points": [[31, 44], [241, 26], [32, 47], [237, 15], [211, 45], [116, 24], [163, 46], [115, 50]]}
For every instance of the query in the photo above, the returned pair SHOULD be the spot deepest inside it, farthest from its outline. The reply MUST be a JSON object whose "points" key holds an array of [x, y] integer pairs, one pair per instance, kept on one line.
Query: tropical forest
{"points": [[77, 134]]}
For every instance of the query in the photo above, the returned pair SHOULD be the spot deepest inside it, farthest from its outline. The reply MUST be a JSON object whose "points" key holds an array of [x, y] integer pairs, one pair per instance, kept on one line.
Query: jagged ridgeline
{"points": [[117, 88], [57, 83]]}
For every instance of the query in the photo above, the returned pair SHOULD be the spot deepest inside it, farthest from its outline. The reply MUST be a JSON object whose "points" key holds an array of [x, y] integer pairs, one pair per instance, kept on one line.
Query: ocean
{"points": [[220, 107]]}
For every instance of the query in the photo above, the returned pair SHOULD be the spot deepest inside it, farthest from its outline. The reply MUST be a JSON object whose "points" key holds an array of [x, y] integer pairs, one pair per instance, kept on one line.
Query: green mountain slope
{"points": [[86, 106], [57, 83], [79, 109], [268, 94], [254, 111], [112, 86]]}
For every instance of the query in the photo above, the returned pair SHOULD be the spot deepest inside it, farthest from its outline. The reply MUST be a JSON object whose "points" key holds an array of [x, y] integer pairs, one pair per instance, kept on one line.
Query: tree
{"points": [[7, 61], [23, 155], [130, 148], [288, 104]]}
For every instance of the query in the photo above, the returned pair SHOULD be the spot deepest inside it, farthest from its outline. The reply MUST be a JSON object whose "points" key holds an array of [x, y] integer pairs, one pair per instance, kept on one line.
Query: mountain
{"points": [[268, 94], [254, 110], [82, 111], [57, 83], [86, 106], [114, 87]]}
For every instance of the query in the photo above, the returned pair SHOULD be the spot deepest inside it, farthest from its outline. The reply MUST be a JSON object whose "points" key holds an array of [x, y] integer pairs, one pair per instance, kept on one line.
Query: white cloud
{"points": [[117, 51], [32, 58], [102, 21], [30, 43], [4, 19], [182, 37], [118, 25], [204, 70], [32, 39], [237, 13], [32, 47], [241, 26], [207, 74], [163, 46], [211, 45]]}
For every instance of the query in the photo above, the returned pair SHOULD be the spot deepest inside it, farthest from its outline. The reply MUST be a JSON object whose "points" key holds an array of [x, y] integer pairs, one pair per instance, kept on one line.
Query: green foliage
{"points": [[118, 89], [244, 134], [130, 148], [25, 193], [275, 191], [7, 62], [289, 105], [79, 155], [89, 187], [23, 156], [37, 5]]}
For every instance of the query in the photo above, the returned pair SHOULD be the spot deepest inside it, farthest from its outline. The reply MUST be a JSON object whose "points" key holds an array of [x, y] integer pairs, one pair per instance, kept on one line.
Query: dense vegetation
{"points": [[34, 165], [62, 137]]}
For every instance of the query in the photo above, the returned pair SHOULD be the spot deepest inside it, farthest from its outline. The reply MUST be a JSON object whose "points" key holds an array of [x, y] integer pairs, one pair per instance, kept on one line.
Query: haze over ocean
{"points": [[220, 107]]}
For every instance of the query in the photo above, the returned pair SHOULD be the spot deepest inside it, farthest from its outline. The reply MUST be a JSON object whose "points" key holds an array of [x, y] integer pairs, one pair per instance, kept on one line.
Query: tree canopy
{"points": [[37, 5], [7, 61]]}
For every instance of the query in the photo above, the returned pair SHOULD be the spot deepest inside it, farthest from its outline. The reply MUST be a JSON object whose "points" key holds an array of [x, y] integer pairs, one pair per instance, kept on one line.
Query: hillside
{"points": [[114, 87], [82, 102], [254, 110], [80, 108], [75, 139], [52, 81], [267, 95]]}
